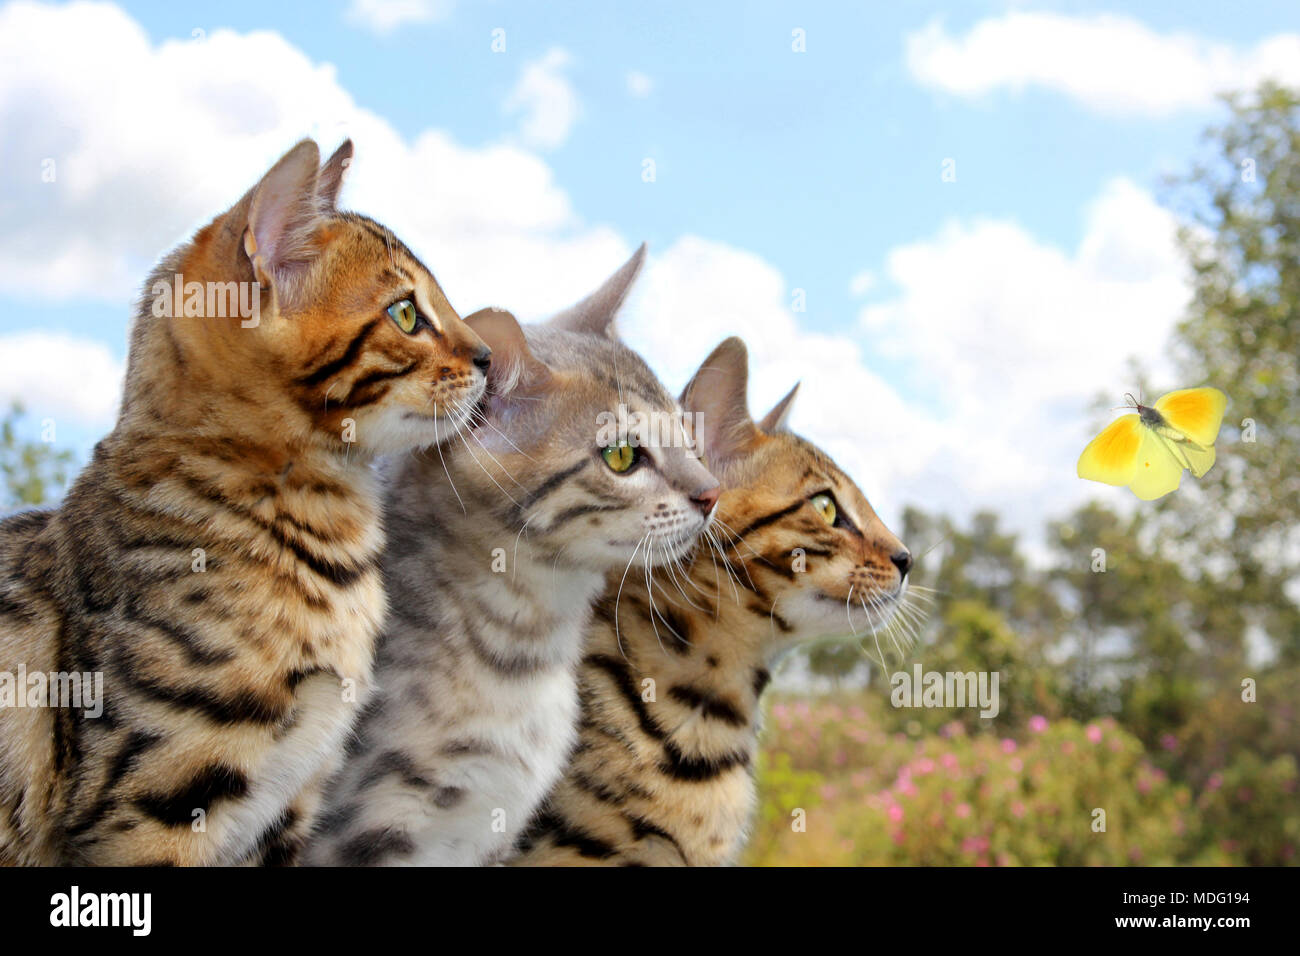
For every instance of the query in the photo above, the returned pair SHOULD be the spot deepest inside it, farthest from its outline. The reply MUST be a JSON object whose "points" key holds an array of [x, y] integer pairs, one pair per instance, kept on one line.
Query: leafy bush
{"points": [[954, 798]]}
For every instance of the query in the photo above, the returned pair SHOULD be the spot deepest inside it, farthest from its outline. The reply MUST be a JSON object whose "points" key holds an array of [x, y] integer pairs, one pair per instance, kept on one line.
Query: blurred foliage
{"points": [[1129, 655], [951, 798], [34, 473], [1241, 208]]}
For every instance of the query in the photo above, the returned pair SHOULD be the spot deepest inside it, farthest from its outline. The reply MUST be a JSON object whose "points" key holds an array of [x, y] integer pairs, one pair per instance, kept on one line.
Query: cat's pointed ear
{"points": [[514, 369], [283, 218], [330, 179], [715, 399], [775, 420], [595, 314]]}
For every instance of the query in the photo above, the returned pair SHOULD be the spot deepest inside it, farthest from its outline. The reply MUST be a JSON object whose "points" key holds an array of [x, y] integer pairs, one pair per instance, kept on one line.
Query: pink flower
{"points": [[1017, 809], [1067, 748], [1144, 785], [1169, 742], [924, 765], [1038, 723], [841, 758], [963, 810], [829, 791], [898, 837], [1008, 746], [949, 761], [975, 844], [896, 813], [857, 713], [1094, 733], [1016, 765]]}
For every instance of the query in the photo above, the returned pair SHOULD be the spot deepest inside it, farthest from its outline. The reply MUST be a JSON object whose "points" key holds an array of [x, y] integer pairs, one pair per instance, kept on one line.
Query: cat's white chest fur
{"points": [[533, 731]]}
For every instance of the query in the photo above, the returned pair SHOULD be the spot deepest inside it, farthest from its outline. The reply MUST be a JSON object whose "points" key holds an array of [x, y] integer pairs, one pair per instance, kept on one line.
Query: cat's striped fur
{"points": [[671, 678], [217, 560], [497, 550]]}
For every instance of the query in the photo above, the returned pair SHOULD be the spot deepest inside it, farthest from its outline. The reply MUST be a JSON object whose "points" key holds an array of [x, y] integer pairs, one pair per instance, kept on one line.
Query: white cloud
{"points": [[57, 376], [863, 282], [384, 16], [1007, 337], [129, 183], [547, 100], [1003, 341], [639, 84], [1010, 339], [1112, 64], [698, 291]]}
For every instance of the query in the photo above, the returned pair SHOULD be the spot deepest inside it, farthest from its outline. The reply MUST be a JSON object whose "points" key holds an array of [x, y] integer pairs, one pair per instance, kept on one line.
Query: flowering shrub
{"points": [[1040, 796]]}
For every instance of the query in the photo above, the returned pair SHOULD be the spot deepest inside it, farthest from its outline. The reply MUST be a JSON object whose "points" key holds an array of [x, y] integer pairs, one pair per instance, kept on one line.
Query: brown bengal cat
{"points": [[216, 563], [676, 662]]}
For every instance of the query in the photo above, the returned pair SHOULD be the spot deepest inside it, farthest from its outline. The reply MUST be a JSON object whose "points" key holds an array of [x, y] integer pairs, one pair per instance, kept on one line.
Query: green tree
{"points": [[1241, 212], [34, 472]]}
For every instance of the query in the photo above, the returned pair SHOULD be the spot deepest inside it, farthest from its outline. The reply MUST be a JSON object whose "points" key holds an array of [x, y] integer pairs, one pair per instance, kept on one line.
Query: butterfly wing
{"points": [[1158, 469], [1112, 457], [1196, 412], [1200, 458]]}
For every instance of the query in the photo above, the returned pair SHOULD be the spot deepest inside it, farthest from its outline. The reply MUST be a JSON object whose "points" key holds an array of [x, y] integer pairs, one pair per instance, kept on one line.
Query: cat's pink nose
{"points": [[706, 498]]}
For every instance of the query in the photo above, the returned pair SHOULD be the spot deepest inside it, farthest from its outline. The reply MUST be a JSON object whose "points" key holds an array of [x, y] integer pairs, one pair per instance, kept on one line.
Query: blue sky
{"points": [[775, 171]]}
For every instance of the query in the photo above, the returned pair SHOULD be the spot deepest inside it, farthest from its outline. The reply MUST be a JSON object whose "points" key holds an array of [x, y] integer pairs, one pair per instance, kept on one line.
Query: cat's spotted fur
{"points": [[671, 678], [497, 549], [217, 560]]}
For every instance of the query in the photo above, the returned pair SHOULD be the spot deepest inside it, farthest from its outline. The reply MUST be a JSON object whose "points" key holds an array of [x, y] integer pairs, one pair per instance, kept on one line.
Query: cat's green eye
{"points": [[619, 457], [404, 314], [825, 506]]}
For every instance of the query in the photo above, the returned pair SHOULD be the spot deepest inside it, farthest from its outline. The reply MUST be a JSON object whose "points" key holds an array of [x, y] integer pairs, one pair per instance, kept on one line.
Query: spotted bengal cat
{"points": [[217, 560], [671, 680], [476, 699]]}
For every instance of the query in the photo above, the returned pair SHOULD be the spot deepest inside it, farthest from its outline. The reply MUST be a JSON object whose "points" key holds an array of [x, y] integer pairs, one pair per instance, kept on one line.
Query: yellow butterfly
{"points": [[1148, 451]]}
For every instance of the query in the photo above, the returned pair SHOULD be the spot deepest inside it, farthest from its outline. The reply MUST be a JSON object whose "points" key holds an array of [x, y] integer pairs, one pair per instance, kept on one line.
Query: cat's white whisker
{"points": [[732, 576], [484, 420], [474, 457], [505, 471], [438, 444], [619, 596], [671, 564], [514, 566]]}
